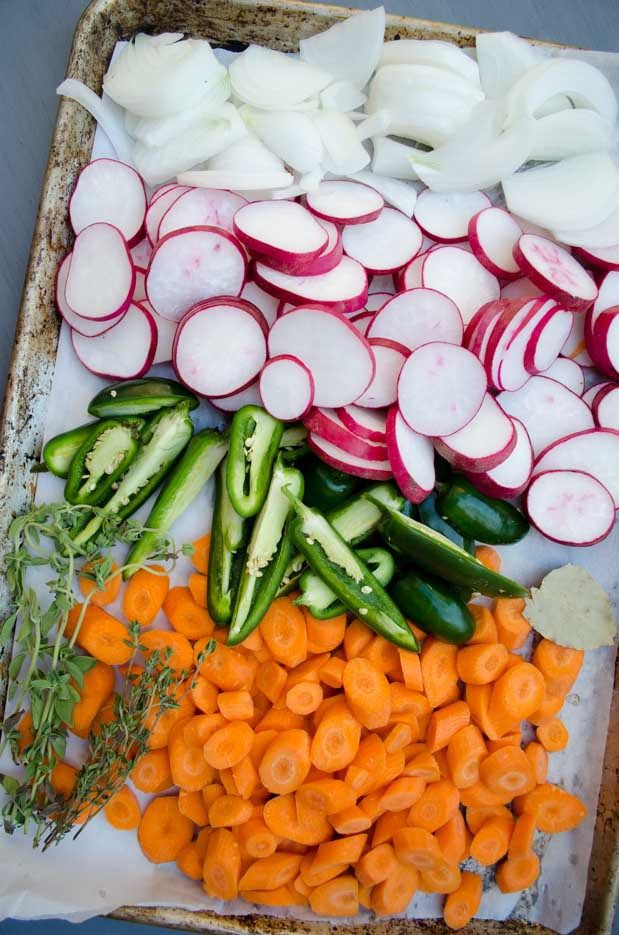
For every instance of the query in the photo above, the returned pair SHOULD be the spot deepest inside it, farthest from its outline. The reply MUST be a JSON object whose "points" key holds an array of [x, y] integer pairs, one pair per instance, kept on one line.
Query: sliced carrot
{"points": [[553, 735], [88, 586], [386, 826], [190, 860], [477, 815], [190, 770], [508, 771], [97, 685], [270, 679], [200, 556], [304, 697], [485, 626], [312, 878], [436, 806], [356, 638], [160, 723], [152, 772], [370, 804], [465, 751], [211, 792], [515, 875], [192, 805], [269, 873], [399, 737], [481, 663], [103, 636], [336, 741], [488, 557], [367, 693], [558, 664], [288, 819], [351, 820], [332, 672], [145, 594], [384, 656], [281, 719], [417, 847], [411, 670], [369, 763], [394, 894], [521, 842], [441, 761], [491, 842], [284, 632], [538, 758], [286, 762], [222, 865], [227, 668], [229, 811], [236, 705], [323, 636], [478, 699], [204, 695], [123, 810], [163, 830], [439, 673], [245, 776], [282, 896], [554, 700], [261, 741], [173, 649], [454, 839], [553, 809], [515, 695], [227, 780], [512, 626], [513, 739], [197, 585], [256, 839], [445, 723], [443, 877], [186, 616], [423, 765], [228, 745], [406, 700], [346, 850], [480, 796], [376, 865], [326, 795], [402, 793], [339, 897], [461, 905]]}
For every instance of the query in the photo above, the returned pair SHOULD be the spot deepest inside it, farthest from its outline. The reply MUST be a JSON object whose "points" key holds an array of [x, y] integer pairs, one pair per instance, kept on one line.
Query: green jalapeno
{"points": [[255, 437], [473, 514], [136, 397], [433, 606], [320, 599], [101, 459]]}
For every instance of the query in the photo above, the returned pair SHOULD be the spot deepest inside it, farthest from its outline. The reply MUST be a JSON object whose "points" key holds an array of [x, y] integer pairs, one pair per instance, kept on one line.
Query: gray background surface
{"points": [[35, 37]]}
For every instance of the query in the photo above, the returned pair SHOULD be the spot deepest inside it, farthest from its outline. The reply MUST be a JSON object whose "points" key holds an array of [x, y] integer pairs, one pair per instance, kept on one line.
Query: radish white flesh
{"points": [[250, 396], [344, 461], [87, 327], [570, 507], [286, 388], [445, 217], [338, 357], [603, 257], [158, 208], [161, 190], [283, 231], [362, 321], [111, 192], [267, 304], [575, 347], [412, 458], [366, 423], [101, 276], [485, 443], [192, 265], [411, 276], [166, 330], [510, 478], [548, 411], [547, 339], [326, 424], [458, 274], [608, 295], [569, 373], [331, 254], [595, 451], [376, 300], [590, 395], [124, 352], [201, 207], [520, 289], [345, 202], [493, 233], [481, 321], [513, 323], [555, 271], [441, 388], [220, 346], [606, 407], [512, 372], [396, 193], [343, 289], [381, 284], [417, 317], [385, 244], [603, 342], [383, 390], [141, 253]]}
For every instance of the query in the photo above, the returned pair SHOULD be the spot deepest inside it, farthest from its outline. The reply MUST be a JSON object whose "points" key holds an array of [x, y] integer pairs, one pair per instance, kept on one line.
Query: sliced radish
{"points": [[385, 244], [548, 410], [286, 388], [417, 317], [267, 304], [441, 388], [482, 445], [515, 322], [336, 354], [220, 346], [343, 289], [345, 202], [250, 396], [362, 321], [383, 390], [101, 276], [124, 352], [602, 257], [521, 288], [608, 295], [139, 290], [483, 318], [366, 423], [141, 254], [603, 341], [201, 207], [590, 395], [381, 284], [161, 190], [595, 451], [547, 339], [344, 461], [554, 270], [193, 265], [445, 216], [410, 277], [166, 330], [158, 208], [331, 254], [109, 192], [570, 507], [460, 275], [283, 232], [87, 327], [510, 478], [326, 424], [606, 407], [376, 300], [575, 348], [569, 373], [412, 458], [493, 234]]}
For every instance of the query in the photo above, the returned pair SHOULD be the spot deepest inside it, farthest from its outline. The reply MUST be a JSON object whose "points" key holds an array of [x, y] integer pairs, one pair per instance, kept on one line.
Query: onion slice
{"points": [[350, 49], [434, 52], [104, 112], [585, 85], [273, 80]]}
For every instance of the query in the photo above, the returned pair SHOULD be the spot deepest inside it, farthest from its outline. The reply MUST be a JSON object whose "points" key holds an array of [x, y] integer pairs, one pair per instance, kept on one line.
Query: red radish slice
{"points": [[521, 288], [101, 276], [441, 388], [220, 346], [412, 458], [590, 395], [445, 216], [482, 445], [603, 341], [570, 507], [381, 284], [109, 192], [201, 207], [344, 461], [548, 410], [85, 326], [161, 190], [366, 423], [141, 254], [362, 321], [336, 354], [606, 407], [383, 390], [157, 209], [481, 325], [595, 451], [267, 304], [411, 276], [326, 424], [139, 290], [569, 373], [166, 330], [376, 300], [510, 478], [283, 232], [514, 322], [332, 253], [250, 396], [554, 270], [284, 307], [602, 257], [124, 352], [193, 265], [286, 388], [345, 202], [608, 295], [385, 244], [344, 288], [493, 234], [461, 276], [547, 339], [417, 317], [575, 348]]}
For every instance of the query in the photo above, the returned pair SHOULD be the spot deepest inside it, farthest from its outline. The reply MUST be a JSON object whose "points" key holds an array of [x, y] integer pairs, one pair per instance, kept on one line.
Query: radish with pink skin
{"points": [[445, 216], [267, 304], [595, 451], [569, 373], [281, 232], [124, 352], [343, 289], [110, 192], [410, 277], [362, 321], [332, 252], [510, 478], [87, 327], [157, 209], [338, 357], [411, 457], [460, 275], [603, 341], [201, 207], [345, 202], [326, 424], [493, 234], [575, 347], [350, 464], [484, 443], [478, 330], [506, 328], [521, 288], [441, 388], [547, 338], [417, 317], [570, 507], [385, 244], [193, 265], [286, 388], [606, 407], [602, 257], [383, 390], [608, 296], [250, 396], [548, 410], [366, 423], [590, 395], [101, 277], [220, 346], [161, 190], [550, 267]]}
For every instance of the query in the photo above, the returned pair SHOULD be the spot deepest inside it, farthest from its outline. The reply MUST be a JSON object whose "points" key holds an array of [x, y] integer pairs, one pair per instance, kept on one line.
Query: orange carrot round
{"points": [[516, 694], [485, 626], [417, 847], [553, 809], [106, 595], [97, 686], [367, 693], [191, 805], [204, 695], [123, 810], [436, 806], [236, 705], [515, 875], [454, 839], [286, 762], [200, 556], [559, 664], [152, 773], [256, 839], [394, 894], [228, 811], [228, 745], [326, 795], [538, 758], [481, 663], [197, 585], [186, 616], [336, 741], [376, 865], [491, 842], [145, 594], [439, 672], [283, 630], [189, 861], [512, 626], [173, 649], [339, 897], [443, 877], [488, 557], [104, 637], [553, 735], [463, 903], [222, 865], [445, 723], [508, 771], [163, 831], [465, 751], [304, 697], [521, 842], [323, 636]]}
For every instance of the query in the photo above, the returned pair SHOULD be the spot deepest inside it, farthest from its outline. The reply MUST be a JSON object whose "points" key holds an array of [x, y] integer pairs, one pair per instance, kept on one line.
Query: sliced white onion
{"points": [[273, 80], [246, 154], [393, 158], [342, 95], [585, 85], [398, 194], [349, 49], [293, 136], [344, 151], [236, 181], [156, 131], [605, 234], [104, 113], [432, 52], [503, 58], [569, 133], [374, 125]]}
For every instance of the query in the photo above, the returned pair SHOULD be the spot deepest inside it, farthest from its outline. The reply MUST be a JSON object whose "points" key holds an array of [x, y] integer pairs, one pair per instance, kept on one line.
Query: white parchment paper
{"points": [[104, 869]]}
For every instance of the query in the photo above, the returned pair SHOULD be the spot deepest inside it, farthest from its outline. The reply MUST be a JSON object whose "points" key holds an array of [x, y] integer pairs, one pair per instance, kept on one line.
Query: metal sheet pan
{"points": [[230, 23]]}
